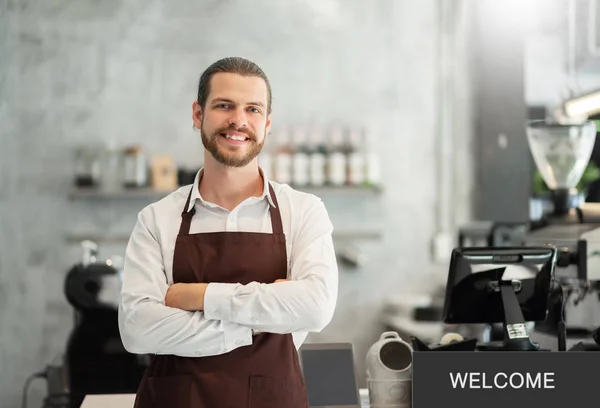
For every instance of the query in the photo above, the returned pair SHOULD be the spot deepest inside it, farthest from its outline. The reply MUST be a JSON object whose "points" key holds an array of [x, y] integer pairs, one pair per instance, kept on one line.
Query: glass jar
{"points": [[135, 167], [87, 163], [112, 173]]}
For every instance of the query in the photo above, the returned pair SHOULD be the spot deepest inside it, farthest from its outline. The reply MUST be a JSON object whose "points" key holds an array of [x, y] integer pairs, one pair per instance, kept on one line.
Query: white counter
{"points": [[127, 400]]}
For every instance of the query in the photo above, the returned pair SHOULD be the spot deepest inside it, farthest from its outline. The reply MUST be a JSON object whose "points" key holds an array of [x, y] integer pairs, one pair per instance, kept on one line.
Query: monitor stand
{"points": [[516, 337]]}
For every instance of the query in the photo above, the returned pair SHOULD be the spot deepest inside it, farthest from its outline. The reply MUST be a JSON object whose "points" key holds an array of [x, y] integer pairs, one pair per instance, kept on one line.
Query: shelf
{"points": [[96, 237], [138, 193], [149, 194], [338, 189], [123, 238]]}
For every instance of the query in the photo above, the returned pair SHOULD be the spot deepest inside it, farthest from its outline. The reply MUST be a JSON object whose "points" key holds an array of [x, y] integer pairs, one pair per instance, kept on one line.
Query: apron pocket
{"points": [[268, 392], [165, 392]]}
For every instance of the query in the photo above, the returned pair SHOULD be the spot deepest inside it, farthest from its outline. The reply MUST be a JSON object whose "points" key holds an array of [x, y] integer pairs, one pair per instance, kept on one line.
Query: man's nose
{"points": [[238, 118]]}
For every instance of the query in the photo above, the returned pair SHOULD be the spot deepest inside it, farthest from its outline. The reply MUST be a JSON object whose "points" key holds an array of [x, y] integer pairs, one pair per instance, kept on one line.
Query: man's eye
{"points": [[223, 105], [255, 110]]}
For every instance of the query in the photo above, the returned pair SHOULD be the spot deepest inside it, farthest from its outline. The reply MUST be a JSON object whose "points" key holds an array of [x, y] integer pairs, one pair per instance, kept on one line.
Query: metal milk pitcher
{"points": [[389, 372]]}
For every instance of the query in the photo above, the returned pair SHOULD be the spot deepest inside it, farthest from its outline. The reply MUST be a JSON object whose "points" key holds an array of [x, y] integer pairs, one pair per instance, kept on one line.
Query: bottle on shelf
{"points": [[318, 159], [372, 163], [336, 159], [300, 158], [283, 157], [356, 157]]}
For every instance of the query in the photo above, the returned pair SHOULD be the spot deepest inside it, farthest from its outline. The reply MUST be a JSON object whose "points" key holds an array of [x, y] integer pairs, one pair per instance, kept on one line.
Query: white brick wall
{"points": [[90, 71]]}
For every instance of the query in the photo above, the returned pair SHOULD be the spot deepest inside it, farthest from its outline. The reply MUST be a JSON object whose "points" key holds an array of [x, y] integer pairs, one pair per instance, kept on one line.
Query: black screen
{"points": [[329, 376], [471, 292]]}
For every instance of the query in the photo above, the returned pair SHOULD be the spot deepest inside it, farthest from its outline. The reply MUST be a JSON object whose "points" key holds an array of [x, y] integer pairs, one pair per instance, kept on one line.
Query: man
{"points": [[223, 279]]}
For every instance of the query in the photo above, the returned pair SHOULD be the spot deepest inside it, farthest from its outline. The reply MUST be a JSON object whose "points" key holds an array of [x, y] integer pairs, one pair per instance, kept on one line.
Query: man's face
{"points": [[235, 121]]}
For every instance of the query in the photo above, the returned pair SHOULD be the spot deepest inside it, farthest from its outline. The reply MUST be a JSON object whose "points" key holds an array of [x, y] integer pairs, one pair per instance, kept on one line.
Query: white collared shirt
{"points": [[231, 311]]}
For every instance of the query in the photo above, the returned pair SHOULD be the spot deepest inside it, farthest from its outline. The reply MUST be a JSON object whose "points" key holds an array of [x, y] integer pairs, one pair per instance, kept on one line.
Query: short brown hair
{"points": [[232, 65]]}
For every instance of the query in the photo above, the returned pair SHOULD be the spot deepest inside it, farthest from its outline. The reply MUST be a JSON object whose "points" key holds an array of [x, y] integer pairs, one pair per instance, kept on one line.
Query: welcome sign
{"points": [[501, 380], [505, 379]]}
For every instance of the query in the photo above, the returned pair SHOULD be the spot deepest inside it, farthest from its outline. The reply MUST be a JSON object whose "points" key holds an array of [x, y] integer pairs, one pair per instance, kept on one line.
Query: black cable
{"points": [[41, 374], [563, 300], [561, 326]]}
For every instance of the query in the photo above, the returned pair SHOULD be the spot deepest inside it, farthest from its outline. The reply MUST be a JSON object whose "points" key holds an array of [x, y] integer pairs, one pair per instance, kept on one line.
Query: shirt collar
{"points": [[197, 196]]}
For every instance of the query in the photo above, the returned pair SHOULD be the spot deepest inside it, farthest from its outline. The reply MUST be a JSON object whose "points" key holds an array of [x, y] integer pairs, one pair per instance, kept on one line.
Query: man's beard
{"points": [[231, 157]]}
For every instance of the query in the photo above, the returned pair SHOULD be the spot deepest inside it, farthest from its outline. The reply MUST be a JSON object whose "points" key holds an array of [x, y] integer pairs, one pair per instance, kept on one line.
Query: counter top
{"points": [[127, 400], [108, 400]]}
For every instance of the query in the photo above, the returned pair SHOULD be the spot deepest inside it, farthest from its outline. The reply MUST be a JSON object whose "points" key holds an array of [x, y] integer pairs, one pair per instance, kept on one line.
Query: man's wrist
{"points": [[217, 300], [201, 292]]}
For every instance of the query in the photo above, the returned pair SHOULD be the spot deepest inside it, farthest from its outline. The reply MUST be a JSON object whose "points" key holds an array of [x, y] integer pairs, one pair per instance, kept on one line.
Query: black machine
{"points": [[96, 361], [561, 152], [511, 286]]}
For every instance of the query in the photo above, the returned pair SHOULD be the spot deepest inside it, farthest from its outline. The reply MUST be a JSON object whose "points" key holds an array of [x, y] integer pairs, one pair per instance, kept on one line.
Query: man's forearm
{"points": [[276, 308], [190, 296], [186, 296], [152, 328]]}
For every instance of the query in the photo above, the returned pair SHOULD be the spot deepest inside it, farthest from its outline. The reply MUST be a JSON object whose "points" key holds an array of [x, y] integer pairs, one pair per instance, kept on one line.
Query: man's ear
{"points": [[197, 114], [268, 125]]}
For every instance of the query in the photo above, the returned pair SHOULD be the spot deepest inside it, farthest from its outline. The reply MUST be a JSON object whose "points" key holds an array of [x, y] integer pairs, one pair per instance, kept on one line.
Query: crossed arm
{"points": [[201, 319], [190, 296]]}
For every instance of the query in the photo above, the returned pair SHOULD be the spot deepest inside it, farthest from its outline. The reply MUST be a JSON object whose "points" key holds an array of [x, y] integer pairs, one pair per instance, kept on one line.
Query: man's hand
{"points": [[190, 296], [186, 296]]}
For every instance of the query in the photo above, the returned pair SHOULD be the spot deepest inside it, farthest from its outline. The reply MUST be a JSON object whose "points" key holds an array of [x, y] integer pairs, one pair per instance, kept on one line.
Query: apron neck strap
{"points": [[276, 223], [186, 216]]}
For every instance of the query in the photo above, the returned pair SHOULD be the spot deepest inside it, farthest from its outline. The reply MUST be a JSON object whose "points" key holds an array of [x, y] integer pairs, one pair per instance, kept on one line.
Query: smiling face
{"points": [[234, 120]]}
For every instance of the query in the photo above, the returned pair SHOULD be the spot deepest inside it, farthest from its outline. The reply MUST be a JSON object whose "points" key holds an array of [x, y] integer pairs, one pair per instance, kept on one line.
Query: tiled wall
{"points": [[83, 72]]}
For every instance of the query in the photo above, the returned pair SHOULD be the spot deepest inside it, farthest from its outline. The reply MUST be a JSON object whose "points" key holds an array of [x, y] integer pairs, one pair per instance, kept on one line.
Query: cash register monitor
{"points": [[330, 375], [500, 285]]}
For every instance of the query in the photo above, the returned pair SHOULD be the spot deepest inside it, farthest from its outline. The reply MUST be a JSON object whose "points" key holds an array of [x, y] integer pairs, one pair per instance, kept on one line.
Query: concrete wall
{"points": [[78, 72], [557, 61]]}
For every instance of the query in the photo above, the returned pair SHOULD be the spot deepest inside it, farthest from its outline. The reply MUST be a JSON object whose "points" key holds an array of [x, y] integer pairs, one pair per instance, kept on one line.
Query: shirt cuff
{"points": [[236, 336], [217, 300]]}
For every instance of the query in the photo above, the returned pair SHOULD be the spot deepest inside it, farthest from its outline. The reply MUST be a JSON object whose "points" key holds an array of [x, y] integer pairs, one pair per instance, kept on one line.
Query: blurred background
{"points": [[406, 117]]}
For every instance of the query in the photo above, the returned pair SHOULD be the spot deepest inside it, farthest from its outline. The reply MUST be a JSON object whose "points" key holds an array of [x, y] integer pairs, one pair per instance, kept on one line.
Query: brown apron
{"points": [[265, 374]]}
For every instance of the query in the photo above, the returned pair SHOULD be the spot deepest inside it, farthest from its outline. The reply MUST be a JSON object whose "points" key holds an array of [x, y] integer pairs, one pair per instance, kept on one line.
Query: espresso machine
{"points": [[95, 360], [561, 151]]}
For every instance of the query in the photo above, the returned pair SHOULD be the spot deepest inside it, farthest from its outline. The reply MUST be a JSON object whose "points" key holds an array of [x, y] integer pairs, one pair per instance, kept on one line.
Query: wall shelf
{"points": [[150, 194], [116, 238], [138, 193]]}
